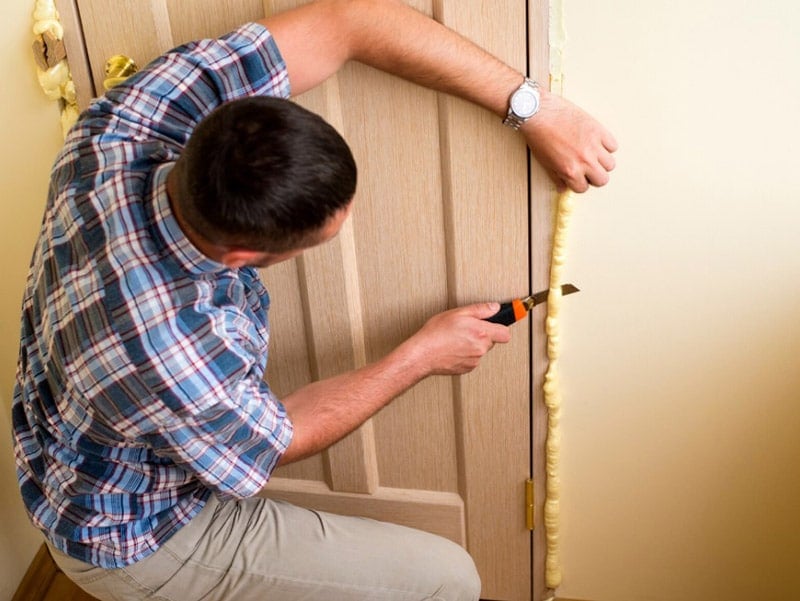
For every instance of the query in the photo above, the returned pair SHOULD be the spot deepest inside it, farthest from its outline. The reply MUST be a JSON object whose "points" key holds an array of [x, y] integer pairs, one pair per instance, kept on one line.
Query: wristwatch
{"points": [[523, 104]]}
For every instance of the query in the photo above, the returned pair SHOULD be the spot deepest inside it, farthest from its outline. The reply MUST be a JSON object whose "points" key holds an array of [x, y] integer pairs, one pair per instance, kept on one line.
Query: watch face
{"points": [[524, 103]]}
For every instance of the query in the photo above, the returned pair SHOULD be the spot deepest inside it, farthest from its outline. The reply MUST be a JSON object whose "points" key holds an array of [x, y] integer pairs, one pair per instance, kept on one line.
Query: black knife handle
{"points": [[505, 315]]}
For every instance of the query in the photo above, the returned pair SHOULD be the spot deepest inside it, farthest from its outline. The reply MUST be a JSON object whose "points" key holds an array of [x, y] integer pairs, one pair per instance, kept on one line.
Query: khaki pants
{"points": [[258, 549]]}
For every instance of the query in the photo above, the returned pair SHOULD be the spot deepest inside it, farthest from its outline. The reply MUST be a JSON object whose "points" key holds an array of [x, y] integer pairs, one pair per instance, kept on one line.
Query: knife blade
{"points": [[512, 311]]}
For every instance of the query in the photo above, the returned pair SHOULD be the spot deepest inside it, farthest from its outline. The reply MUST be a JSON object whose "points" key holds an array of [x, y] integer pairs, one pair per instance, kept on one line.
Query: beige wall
{"points": [[681, 428], [30, 137]]}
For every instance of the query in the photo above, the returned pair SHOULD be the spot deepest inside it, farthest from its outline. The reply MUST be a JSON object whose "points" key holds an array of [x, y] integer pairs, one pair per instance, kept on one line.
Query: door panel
{"points": [[486, 200], [440, 220], [142, 29]]}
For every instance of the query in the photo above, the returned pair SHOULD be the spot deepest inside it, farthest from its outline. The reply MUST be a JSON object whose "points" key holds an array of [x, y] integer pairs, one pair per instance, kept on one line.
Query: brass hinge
{"points": [[529, 505]]}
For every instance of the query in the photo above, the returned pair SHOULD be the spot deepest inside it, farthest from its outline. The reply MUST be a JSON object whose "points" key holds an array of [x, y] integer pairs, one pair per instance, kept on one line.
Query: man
{"points": [[143, 427]]}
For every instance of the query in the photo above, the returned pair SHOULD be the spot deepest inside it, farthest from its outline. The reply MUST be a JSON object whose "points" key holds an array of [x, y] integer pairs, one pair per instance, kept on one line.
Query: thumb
{"points": [[482, 310]]}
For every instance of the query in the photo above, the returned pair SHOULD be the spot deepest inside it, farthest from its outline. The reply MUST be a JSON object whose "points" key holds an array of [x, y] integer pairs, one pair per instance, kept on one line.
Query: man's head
{"points": [[263, 175]]}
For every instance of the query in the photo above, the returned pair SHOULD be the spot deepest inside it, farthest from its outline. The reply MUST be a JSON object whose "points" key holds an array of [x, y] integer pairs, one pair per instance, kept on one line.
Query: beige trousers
{"points": [[264, 550]]}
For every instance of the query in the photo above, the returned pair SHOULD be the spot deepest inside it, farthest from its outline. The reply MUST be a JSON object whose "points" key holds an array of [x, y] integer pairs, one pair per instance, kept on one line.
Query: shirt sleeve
{"points": [[233, 443], [210, 413], [170, 96]]}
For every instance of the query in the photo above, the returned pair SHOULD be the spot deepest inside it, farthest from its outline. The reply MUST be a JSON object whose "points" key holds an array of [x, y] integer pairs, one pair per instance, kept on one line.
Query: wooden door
{"points": [[440, 219]]}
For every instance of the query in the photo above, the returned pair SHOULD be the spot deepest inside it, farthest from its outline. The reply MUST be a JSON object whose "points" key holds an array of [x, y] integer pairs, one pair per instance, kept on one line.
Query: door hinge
{"points": [[529, 505]]}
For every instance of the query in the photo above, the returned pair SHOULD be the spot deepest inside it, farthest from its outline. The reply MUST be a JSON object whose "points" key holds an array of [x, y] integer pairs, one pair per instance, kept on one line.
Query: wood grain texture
{"points": [[37, 578], [195, 19], [401, 248], [63, 589], [44, 581], [486, 207], [76, 55], [139, 31], [441, 513], [143, 30]]}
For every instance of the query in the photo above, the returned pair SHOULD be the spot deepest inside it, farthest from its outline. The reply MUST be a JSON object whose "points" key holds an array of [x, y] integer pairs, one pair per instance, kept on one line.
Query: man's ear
{"points": [[241, 257]]}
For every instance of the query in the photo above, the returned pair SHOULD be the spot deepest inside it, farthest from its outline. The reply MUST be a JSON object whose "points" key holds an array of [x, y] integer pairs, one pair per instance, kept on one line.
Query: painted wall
{"points": [[681, 358], [30, 135]]}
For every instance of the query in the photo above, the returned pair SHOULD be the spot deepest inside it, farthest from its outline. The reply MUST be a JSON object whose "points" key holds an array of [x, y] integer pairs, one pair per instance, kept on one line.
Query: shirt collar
{"points": [[186, 253]]}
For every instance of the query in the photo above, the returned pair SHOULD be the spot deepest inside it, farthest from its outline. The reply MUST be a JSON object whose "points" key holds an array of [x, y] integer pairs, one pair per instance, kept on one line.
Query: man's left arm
{"points": [[316, 39]]}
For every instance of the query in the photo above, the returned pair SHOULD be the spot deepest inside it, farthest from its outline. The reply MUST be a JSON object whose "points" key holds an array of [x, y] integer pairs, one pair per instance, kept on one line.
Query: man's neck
{"points": [[209, 249]]}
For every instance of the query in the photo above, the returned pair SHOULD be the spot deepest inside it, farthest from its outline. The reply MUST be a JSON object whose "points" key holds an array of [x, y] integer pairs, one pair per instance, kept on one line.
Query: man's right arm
{"points": [[450, 343]]}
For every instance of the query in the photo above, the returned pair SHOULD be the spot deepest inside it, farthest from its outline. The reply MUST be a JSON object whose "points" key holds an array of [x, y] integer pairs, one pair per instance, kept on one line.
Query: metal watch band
{"points": [[513, 120]]}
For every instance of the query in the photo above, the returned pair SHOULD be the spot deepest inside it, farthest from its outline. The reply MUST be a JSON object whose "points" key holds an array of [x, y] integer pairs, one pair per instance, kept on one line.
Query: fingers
{"points": [[598, 177], [594, 171], [610, 142], [572, 146], [606, 160], [454, 342], [495, 332]]}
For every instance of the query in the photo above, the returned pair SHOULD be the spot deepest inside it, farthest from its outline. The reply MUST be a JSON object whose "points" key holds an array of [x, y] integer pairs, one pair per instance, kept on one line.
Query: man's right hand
{"points": [[455, 341]]}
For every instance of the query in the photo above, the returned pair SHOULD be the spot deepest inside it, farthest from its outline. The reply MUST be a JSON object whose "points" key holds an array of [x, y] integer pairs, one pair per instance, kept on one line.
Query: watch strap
{"points": [[513, 120]]}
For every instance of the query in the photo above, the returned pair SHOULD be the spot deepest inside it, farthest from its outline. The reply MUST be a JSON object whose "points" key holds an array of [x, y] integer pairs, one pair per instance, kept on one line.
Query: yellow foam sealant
{"points": [[552, 392], [52, 67], [557, 38]]}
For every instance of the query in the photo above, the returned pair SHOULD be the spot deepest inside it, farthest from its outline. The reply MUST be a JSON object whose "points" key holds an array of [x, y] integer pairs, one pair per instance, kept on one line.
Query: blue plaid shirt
{"points": [[139, 389]]}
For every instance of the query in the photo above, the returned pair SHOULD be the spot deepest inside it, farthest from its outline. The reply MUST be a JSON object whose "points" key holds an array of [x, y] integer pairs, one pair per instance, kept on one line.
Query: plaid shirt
{"points": [[139, 388]]}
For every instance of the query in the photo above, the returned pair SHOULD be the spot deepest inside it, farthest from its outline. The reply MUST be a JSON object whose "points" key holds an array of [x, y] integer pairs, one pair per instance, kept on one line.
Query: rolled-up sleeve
{"points": [[212, 414], [233, 444]]}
